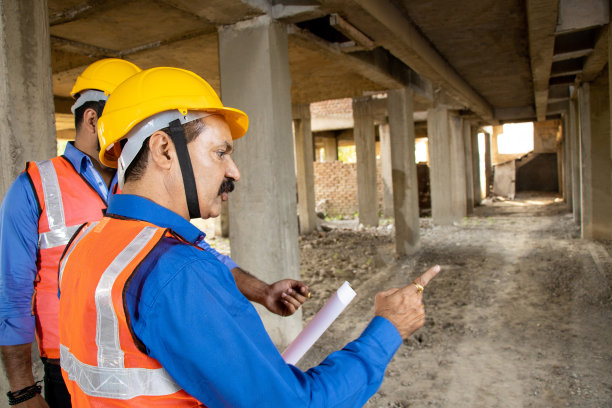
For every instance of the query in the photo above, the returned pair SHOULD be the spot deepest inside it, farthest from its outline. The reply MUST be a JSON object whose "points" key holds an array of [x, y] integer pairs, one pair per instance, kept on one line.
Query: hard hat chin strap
{"points": [[180, 144]]}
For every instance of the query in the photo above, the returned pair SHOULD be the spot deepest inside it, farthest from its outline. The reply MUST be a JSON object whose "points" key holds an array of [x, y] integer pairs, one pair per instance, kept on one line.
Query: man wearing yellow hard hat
{"points": [[41, 211], [157, 321]]}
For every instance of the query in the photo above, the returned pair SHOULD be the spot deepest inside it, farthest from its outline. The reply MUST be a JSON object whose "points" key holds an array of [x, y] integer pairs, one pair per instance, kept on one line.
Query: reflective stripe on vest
{"points": [[117, 383], [110, 378], [107, 324], [85, 231], [59, 233]]}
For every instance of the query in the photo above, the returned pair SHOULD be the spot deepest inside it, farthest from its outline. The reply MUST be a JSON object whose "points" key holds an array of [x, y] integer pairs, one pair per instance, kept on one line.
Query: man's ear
{"points": [[161, 150], [90, 120]]}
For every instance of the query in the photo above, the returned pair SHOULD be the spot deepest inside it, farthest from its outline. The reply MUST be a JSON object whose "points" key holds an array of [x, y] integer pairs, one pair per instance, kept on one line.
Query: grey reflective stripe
{"points": [[56, 237], [107, 324], [59, 234], [67, 255], [117, 383]]}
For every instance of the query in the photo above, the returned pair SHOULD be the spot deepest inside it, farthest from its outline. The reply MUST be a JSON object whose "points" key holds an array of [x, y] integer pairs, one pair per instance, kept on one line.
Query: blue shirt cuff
{"points": [[385, 334], [17, 330]]}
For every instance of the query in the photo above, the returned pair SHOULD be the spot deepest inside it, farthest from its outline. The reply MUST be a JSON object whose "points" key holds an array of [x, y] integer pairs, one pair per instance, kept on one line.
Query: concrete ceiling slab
{"points": [[130, 25], [484, 41], [474, 55]]}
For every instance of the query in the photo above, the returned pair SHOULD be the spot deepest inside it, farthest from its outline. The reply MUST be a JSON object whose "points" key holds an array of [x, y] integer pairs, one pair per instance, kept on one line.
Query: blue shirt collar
{"points": [[140, 208], [79, 160], [83, 165]]}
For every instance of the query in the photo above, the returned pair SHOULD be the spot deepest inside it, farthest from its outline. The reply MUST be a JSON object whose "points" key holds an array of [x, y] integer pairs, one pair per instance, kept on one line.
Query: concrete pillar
{"points": [[254, 68], [404, 171], [447, 166], [458, 169], [304, 167], [488, 163], [385, 162], [567, 163], [497, 130], [27, 128], [468, 162], [222, 221], [330, 144], [477, 189], [365, 147], [576, 170], [596, 219]]}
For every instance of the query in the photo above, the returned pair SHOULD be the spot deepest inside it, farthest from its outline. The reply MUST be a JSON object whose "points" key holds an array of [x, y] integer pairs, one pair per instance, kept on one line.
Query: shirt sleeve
{"points": [[18, 255], [224, 259], [211, 341]]}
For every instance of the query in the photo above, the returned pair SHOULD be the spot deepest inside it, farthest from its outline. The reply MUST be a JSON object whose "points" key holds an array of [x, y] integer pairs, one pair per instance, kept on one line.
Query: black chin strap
{"points": [[180, 144]]}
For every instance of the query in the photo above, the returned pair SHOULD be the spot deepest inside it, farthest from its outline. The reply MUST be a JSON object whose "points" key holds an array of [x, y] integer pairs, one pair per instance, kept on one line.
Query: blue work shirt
{"points": [[186, 310], [19, 248]]}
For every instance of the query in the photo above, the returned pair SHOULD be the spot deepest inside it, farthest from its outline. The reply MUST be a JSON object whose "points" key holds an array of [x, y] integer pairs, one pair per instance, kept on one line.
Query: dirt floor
{"points": [[520, 316]]}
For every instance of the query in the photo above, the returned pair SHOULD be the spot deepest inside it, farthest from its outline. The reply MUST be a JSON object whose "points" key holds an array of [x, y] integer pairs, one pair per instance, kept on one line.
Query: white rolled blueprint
{"points": [[317, 326]]}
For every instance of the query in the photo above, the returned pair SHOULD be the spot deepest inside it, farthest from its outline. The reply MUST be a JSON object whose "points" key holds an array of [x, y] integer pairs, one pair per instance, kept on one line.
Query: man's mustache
{"points": [[227, 186]]}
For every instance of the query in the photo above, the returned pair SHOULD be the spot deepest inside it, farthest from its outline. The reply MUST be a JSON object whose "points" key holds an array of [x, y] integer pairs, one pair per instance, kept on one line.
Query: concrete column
{"points": [[304, 167], [222, 221], [458, 168], [365, 147], [576, 170], [477, 189], [447, 166], [254, 68], [488, 164], [27, 128], [469, 162], [567, 163], [330, 144], [596, 219], [610, 84], [404, 171], [385, 162]]}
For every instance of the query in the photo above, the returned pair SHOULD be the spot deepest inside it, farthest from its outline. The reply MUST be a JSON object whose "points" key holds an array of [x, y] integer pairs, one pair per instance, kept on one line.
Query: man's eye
{"points": [[221, 153]]}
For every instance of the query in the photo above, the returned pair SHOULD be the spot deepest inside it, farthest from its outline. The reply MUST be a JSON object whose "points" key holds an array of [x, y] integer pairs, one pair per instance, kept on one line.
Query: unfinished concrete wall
{"points": [[253, 57], [596, 217], [537, 172], [504, 183], [546, 135], [27, 130]]}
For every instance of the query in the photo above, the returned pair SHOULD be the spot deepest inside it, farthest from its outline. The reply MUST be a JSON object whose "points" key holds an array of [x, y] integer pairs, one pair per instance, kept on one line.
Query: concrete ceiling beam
{"points": [[577, 15], [598, 59], [541, 22], [403, 39], [83, 10], [378, 65], [525, 113]]}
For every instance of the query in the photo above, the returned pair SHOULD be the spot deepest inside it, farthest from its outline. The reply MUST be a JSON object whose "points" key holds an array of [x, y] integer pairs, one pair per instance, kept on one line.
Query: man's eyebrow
{"points": [[228, 147]]}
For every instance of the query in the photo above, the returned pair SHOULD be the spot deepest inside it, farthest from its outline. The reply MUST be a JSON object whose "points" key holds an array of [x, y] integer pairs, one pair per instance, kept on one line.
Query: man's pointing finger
{"points": [[424, 279]]}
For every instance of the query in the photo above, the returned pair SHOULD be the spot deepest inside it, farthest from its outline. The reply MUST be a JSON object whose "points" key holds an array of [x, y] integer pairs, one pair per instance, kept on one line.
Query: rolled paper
{"points": [[317, 326]]}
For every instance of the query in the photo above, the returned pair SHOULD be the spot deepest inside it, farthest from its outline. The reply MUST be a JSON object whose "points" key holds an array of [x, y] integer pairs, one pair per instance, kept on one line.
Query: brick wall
{"points": [[336, 184]]}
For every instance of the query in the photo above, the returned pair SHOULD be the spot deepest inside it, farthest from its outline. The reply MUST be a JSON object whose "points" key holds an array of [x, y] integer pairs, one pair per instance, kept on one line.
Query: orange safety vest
{"points": [[66, 201], [101, 361]]}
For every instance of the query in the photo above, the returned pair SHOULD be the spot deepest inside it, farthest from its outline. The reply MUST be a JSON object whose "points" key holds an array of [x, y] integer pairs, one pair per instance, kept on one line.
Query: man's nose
{"points": [[232, 171]]}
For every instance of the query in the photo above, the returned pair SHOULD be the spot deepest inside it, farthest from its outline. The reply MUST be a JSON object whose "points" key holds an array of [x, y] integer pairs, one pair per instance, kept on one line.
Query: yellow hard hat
{"points": [[104, 75], [155, 91]]}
